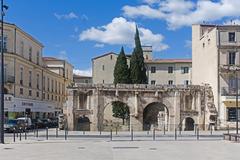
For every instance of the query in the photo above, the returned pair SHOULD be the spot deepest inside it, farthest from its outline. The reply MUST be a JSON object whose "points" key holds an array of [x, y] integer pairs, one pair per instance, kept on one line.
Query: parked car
{"points": [[25, 123], [11, 125], [37, 123]]}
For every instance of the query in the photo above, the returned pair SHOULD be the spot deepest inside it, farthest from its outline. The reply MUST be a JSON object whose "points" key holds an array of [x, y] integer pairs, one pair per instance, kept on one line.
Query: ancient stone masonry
{"points": [[150, 106]]}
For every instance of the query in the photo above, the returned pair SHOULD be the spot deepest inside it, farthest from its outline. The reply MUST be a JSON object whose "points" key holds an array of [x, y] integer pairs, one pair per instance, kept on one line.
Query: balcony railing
{"points": [[229, 91], [9, 79]]}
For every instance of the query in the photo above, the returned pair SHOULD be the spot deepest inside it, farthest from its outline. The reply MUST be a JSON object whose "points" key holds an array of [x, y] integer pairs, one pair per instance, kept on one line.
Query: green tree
{"points": [[121, 70], [121, 75], [137, 67], [120, 110]]}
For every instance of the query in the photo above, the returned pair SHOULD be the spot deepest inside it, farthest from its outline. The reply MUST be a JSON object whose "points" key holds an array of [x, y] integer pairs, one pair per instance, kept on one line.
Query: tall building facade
{"points": [[159, 71], [29, 82], [216, 60]]}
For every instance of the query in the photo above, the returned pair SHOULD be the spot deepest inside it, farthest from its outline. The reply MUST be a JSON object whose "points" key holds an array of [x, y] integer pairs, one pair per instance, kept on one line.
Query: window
{"points": [[21, 91], [21, 76], [186, 82], [103, 67], [184, 70], [43, 95], [37, 94], [52, 85], [232, 114], [30, 92], [170, 69], [48, 84], [153, 69], [38, 54], [153, 82], [48, 96], [231, 36], [203, 45], [111, 57], [55, 86], [63, 89], [44, 83], [30, 54], [4, 43], [231, 58], [209, 41], [22, 48], [232, 83], [52, 97], [30, 78], [103, 81], [59, 88], [37, 81], [170, 82], [56, 98]]}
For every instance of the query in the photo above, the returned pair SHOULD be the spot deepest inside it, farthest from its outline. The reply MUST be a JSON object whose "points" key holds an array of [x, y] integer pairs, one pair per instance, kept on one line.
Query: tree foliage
{"points": [[137, 66], [120, 110], [121, 70]]}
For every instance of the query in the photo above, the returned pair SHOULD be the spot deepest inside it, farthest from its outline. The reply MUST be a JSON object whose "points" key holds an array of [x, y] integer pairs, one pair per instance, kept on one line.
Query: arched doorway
{"points": [[155, 115], [116, 114], [83, 124], [5, 90], [189, 124]]}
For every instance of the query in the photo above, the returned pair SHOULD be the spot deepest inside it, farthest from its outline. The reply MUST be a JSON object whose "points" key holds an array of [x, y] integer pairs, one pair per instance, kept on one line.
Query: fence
{"points": [[116, 134]]}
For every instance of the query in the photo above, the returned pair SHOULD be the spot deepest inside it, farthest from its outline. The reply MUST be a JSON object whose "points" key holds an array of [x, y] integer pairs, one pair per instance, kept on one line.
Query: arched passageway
{"points": [[189, 124], [116, 114], [155, 115], [83, 124]]}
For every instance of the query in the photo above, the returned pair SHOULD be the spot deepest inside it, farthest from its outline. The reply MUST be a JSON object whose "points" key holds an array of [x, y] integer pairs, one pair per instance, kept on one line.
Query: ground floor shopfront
{"points": [[19, 107]]}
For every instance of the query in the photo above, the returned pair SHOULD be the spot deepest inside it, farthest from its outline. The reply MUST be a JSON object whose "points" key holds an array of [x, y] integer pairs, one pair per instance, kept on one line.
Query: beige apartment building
{"points": [[82, 79], [215, 55], [31, 82], [159, 71]]}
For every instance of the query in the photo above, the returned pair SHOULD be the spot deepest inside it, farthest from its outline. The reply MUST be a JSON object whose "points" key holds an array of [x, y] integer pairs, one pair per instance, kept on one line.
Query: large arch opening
{"points": [[189, 124], [116, 115], [155, 115], [83, 124]]}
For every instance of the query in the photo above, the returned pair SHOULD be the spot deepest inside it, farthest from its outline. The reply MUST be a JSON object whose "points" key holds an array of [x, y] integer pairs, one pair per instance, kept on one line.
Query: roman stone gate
{"points": [[149, 106]]}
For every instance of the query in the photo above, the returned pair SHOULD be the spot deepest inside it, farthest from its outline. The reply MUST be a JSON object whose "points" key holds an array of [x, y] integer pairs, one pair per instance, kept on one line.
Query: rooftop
{"points": [[169, 61]]}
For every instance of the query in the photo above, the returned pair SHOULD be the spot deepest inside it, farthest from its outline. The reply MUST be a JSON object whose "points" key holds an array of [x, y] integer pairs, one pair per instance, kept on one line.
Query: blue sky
{"points": [[78, 30]]}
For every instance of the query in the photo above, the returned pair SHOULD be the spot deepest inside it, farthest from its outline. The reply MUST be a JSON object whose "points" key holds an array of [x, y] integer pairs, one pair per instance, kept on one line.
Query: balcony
{"points": [[229, 68], [228, 91], [9, 79]]}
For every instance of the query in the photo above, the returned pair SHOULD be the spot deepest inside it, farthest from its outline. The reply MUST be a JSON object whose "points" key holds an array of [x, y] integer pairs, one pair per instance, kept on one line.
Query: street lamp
{"points": [[3, 7]]}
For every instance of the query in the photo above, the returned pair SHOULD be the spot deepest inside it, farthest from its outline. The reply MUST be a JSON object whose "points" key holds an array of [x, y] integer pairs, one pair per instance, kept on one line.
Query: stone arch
{"points": [[83, 123], [188, 124], [107, 121], [155, 114]]}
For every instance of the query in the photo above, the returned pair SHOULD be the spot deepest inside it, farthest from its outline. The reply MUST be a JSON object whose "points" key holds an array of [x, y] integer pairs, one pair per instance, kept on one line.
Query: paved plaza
{"points": [[90, 146]]}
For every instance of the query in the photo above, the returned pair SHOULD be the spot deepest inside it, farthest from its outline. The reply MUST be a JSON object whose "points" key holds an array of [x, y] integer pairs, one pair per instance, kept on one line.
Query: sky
{"points": [[79, 30]]}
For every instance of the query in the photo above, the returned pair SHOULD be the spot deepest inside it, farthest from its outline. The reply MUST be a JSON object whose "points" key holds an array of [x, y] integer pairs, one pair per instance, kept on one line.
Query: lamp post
{"points": [[2, 76], [236, 102]]}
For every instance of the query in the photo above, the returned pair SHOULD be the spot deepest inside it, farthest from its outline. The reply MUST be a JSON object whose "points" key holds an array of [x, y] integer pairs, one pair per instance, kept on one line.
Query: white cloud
{"points": [[179, 13], [99, 45], [68, 16], [232, 22], [120, 31], [87, 72], [84, 17], [62, 55]]}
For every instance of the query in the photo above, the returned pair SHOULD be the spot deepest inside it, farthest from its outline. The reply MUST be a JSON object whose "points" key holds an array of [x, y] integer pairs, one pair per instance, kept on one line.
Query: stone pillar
{"points": [[95, 115], [136, 104], [176, 114], [88, 102], [136, 122]]}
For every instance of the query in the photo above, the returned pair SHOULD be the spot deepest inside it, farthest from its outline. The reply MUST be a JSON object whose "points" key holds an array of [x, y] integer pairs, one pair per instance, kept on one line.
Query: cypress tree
{"points": [[137, 66], [121, 75], [121, 71]]}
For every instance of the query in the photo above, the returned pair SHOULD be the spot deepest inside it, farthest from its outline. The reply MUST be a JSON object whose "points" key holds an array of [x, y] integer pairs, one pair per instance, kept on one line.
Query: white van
{"points": [[25, 122]]}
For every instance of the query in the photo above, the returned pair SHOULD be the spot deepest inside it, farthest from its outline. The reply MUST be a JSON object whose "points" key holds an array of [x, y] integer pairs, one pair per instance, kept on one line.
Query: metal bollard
{"points": [[180, 130], [83, 132], [228, 128], [14, 138], [131, 134], [116, 130], [65, 134], [56, 132], [154, 136], [100, 130], [46, 133], [25, 133], [211, 130], [111, 135], [148, 132], [164, 130], [197, 133], [175, 133], [20, 134], [37, 133]]}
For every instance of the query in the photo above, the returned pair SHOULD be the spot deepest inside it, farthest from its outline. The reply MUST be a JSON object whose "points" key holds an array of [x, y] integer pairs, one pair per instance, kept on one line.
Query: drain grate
{"points": [[7, 148], [152, 148], [125, 147], [81, 147]]}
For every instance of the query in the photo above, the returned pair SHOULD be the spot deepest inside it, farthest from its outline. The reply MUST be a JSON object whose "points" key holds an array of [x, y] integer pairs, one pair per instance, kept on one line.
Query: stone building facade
{"points": [[29, 81], [215, 55], [150, 106]]}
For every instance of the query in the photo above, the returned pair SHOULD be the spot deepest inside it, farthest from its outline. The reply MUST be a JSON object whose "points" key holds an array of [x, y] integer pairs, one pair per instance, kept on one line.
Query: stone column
{"points": [[88, 102], [136, 104], [176, 113]]}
